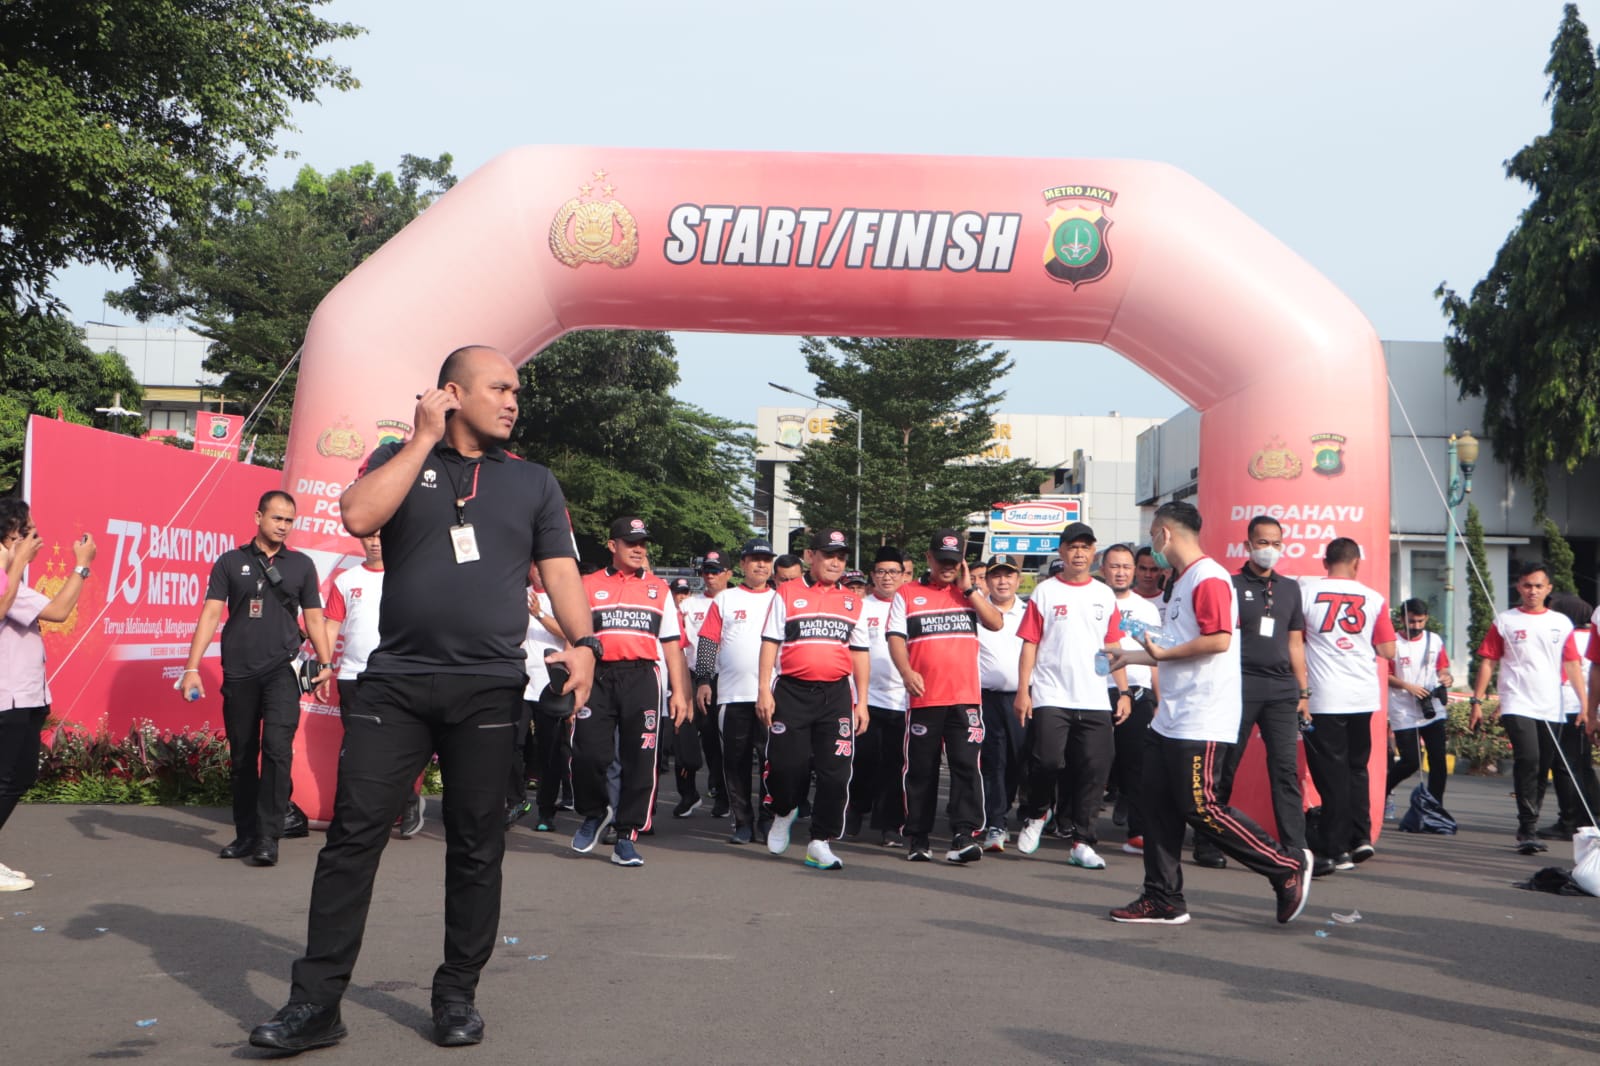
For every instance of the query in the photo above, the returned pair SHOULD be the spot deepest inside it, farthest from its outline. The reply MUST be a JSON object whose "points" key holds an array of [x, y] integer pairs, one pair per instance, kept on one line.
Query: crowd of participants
{"points": [[805, 692]]}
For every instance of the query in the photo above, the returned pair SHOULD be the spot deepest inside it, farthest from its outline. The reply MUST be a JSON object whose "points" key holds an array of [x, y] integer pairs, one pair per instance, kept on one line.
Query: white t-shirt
{"points": [[1135, 607], [1201, 697], [1417, 662], [538, 641], [1531, 648], [1070, 623], [1569, 698], [734, 621], [999, 649], [693, 614], [885, 688], [353, 603], [1344, 619]]}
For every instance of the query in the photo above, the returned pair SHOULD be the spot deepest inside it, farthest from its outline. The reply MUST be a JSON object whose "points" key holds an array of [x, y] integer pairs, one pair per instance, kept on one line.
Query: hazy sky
{"points": [[1368, 136]]}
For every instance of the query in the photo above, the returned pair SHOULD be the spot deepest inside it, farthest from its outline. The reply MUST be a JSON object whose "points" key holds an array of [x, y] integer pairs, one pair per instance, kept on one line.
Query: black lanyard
{"points": [[463, 498], [1268, 594]]}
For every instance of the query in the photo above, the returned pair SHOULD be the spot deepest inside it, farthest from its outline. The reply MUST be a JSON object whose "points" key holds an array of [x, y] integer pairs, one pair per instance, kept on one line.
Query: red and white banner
{"points": [[217, 436]]}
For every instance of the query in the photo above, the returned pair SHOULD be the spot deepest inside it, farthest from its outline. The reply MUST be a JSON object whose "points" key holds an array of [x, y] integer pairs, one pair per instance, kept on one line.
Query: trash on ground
{"points": [[1347, 919], [1322, 933], [145, 1023], [510, 939]]}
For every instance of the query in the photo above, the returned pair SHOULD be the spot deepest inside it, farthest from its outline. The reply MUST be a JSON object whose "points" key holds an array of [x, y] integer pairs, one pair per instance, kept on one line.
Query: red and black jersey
{"points": [[940, 628], [633, 614], [816, 626]]}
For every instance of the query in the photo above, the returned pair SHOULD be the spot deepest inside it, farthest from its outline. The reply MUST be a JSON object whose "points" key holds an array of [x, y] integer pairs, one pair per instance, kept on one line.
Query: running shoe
{"points": [[1146, 911], [778, 835], [515, 812], [1134, 846], [1362, 852], [1085, 856], [411, 818], [963, 849], [994, 839], [625, 854], [686, 806], [917, 850], [742, 834], [1294, 890], [1028, 839], [819, 856], [588, 833]]}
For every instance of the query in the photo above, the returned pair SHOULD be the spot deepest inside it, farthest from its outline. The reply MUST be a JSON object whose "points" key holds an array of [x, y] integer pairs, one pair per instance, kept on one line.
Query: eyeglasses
{"points": [[885, 572]]}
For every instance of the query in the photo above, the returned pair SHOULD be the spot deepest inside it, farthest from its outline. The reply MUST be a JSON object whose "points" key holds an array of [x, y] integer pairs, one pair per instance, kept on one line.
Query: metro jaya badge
{"points": [[1328, 458], [1077, 251]]}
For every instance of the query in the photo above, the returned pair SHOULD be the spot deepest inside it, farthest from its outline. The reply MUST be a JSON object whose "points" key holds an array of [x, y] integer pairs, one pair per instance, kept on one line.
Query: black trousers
{"points": [[551, 756], [19, 754], [707, 732], [1279, 724], [879, 785], [1337, 753], [1409, 744], [744, 738], [813, 728], [622, 721], [1003, 756], [1178, 789], [1127, 767], [261, 715], [1574, 743], [401, 721], [1082, 743], [1533, 752], [957, 732]]}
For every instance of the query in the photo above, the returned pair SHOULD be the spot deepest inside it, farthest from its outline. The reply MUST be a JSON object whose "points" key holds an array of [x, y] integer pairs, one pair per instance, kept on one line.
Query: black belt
{"points": [[611, 665], [790, 679]]}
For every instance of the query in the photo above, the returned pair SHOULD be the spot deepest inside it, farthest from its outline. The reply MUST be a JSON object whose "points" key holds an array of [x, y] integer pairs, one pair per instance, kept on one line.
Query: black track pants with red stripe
{"points": [[1179, 788], [621, 721], [813, 731]]}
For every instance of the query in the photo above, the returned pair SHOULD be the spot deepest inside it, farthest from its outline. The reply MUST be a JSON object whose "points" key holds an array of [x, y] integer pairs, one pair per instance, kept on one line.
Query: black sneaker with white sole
{"points": [[1146, 911], [963, 849], [917, 850], [686, 806]]}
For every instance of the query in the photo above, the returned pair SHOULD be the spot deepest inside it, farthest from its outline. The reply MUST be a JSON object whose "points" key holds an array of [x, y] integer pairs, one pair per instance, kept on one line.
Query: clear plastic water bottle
{"points": [[1102, 663]]}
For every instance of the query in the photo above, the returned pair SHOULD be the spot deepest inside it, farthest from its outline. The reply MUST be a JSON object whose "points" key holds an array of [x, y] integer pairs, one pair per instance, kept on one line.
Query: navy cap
{"points": [[630, 528], [713, 563], [756, 546], [680, 584]]}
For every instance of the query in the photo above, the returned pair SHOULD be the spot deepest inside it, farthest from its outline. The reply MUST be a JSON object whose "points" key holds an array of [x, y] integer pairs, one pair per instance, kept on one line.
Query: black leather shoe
{"points": [[239, 849], [300, 1027], [457, 1025], [1211, 860], [1322, 866], [1555, 831], [295, 823], [265, 853]]}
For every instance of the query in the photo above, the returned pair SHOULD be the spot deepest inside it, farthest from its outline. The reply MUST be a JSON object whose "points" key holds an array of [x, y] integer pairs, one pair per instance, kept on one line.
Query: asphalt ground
{"points": [[713, 954]]}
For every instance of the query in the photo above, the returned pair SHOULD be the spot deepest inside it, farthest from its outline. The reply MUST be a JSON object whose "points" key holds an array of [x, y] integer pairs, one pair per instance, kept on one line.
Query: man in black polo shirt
{"points": [[1272, 666], [462, 524], [265, 586]]}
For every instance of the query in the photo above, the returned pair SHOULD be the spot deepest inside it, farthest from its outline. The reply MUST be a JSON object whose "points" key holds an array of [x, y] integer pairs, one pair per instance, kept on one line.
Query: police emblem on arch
{"points": [[1274, 461], [594, 227], [1077, 251], [1328, 459]]}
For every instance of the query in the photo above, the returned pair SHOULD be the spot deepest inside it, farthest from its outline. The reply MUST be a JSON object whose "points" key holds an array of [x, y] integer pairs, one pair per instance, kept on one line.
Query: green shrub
{"points": [[1482, 750]]}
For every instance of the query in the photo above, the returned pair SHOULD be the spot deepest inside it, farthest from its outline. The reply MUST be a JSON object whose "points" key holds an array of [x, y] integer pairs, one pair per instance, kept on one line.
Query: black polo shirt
{"points": [[441, 616], [254, 646], [1264, 661]]}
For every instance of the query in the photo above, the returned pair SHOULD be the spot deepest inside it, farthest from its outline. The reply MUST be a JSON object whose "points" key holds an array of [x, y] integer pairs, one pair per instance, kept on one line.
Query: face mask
{"points": [[1415, 633], [1266, 558], [1159, 557]]}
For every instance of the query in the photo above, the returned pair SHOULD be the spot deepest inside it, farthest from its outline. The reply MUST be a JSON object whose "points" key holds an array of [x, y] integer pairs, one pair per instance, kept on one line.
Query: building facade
{"points": [[170, 364]]}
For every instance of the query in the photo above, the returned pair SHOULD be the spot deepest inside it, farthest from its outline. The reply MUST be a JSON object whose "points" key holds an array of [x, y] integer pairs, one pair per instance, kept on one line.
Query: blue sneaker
{"points": [[625, 854], [583, 840]]}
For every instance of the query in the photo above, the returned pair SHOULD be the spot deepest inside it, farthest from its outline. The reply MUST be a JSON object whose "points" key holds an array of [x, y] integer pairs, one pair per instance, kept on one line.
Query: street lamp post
{"points": [[857, 416], [1463, 460]]}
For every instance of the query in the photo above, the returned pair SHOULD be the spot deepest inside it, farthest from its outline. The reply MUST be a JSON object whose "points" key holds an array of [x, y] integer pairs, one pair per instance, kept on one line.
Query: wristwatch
{"points": [[1121, 692], [593, 644], [81, 571]]}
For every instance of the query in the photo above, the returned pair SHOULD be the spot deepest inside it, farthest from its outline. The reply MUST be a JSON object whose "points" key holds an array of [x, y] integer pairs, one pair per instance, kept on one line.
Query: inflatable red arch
{"points": [[1140, 257]]}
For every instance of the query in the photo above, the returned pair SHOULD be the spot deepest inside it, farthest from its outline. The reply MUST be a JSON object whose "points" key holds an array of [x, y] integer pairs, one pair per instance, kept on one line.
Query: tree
{"points": [[596, 408], [1480, 590], [1559, 558], [123, 115], [1528, 340], [927, 415], [249, 273], [46, 368]]}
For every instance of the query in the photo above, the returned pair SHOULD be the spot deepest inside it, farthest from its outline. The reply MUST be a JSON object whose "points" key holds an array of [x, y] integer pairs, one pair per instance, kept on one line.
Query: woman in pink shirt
{"points": [[24, 694]]}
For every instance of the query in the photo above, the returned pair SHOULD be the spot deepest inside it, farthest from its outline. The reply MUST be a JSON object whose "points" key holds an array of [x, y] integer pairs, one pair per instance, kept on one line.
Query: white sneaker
{"points": [[1028, 839], [4, 869], [994, 839], [819, 856], [11, 881], [778, 835], [1085, 856]]}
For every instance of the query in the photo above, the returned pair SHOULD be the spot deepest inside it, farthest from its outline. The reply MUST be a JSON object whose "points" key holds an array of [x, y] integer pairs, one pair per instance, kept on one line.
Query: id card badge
{"points": [[1268, 623], [255, 607], [465, 542]]}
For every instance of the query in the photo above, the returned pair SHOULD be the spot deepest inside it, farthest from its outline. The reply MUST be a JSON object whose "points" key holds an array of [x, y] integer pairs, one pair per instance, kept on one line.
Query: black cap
{"points": [[1056, 566], [1003, 562], [756, 546], [1077, 531], [630, 528], [713, 563], [947, 546], [830, 540], [853, 577], [680, 584]]}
